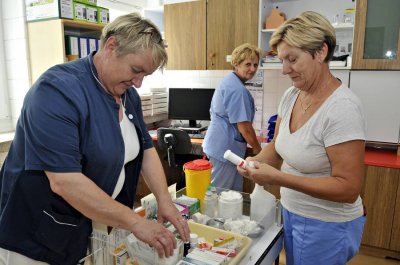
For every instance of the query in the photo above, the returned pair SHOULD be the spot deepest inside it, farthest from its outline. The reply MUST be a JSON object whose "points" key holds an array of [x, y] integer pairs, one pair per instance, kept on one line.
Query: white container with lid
{"points": [[230, 205]]}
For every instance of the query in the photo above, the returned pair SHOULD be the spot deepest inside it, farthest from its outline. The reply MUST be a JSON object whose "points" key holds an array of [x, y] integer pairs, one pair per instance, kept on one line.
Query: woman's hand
{"points": [[156, 235], [168, 212], [262, 174]]}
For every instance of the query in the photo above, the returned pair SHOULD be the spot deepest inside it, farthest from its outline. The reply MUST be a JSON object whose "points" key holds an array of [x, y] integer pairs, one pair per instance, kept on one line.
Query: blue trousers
{"points": [[309, 241]]}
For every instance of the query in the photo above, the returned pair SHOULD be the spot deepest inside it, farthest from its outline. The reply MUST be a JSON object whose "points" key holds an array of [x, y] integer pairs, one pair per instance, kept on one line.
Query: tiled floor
{"points": [[360, 259]]}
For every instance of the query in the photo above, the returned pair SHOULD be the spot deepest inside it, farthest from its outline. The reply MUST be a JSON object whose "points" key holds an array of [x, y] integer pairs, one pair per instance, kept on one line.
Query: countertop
{"points": [[382, 158]]}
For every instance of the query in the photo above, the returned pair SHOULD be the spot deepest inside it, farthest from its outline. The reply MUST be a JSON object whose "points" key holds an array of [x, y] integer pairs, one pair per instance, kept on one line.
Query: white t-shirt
{"points": [[339, 119], [131, 142]]}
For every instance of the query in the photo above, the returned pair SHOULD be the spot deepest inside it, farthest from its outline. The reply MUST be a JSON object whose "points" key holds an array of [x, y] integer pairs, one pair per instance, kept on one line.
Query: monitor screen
{"points": [[190, 104]]}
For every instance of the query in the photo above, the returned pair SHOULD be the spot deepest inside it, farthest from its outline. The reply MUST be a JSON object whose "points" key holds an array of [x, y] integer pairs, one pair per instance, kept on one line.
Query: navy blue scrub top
{"points": [[68, 123]]}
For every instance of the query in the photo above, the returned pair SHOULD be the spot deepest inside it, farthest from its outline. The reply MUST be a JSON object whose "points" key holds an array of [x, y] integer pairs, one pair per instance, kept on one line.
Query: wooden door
{"points": [[395, 238], [379, 196], [185, 34], [377, 35], [229, 24]]}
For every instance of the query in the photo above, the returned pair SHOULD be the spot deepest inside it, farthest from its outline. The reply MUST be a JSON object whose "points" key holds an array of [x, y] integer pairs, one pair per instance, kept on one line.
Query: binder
{"points": [[71, 45], [83, 47], [92, 44]]}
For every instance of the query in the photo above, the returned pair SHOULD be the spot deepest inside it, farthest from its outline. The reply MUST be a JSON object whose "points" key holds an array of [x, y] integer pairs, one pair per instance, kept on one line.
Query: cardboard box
{"points": [[103, 15], [87, 2], [39, 10], [91, 14], [80, 11]]}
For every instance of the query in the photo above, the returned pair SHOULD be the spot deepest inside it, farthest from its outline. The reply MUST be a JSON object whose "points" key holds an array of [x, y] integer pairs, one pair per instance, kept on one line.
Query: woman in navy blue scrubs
{"points": [[79, 147]]}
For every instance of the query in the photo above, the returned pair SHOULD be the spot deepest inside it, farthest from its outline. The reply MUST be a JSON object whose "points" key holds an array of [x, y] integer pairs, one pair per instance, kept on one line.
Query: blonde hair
{"points": [[243, 52], [308, 31], [135, 34]]}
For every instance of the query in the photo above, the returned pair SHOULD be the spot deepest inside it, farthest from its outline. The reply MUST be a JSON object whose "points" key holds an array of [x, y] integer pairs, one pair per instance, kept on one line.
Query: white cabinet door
{"points": [[379, 91]]}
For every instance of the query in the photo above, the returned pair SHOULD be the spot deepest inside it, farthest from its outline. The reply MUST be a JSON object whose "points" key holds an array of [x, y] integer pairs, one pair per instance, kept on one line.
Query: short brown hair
{"points": [[135, 34], [243, 52]]}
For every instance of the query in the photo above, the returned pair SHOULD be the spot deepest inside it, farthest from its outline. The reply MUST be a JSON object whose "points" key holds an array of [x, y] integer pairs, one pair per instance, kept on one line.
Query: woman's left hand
{"points": [[262, 174], [168, 212]]}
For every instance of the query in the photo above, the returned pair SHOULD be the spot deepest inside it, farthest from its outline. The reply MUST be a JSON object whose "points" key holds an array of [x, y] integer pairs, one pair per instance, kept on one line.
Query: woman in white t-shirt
{"points": [[318, 147]]}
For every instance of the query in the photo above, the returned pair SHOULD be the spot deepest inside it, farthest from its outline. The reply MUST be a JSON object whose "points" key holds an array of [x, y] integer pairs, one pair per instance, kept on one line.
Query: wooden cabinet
{"points": [[200, 34], [185, 33], [377, 35], [381, 197], [47, 45]]}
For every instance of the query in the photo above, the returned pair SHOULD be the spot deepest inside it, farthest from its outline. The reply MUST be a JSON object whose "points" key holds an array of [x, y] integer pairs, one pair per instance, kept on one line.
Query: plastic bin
{"points": [[211, 233]]}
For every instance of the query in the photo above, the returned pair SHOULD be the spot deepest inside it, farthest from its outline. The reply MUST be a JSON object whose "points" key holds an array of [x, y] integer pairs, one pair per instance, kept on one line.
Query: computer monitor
{"points": [[191, 104]]}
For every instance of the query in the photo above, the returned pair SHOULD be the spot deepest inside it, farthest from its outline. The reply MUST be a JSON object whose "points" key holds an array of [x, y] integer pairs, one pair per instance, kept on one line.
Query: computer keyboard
{"points": [[197, 135]]}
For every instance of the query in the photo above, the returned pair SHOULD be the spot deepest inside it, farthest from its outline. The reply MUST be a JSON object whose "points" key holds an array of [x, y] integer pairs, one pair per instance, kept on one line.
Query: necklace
{"points": [[101, 84], [305, 107]]}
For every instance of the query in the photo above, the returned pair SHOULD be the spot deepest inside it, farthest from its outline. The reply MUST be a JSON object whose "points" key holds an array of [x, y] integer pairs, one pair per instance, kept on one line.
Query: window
{"points": [[5, 117]]}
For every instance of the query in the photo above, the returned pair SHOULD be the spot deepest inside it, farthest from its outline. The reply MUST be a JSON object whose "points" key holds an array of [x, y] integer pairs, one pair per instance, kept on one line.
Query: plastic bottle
{"points": [[209, 204], [262, 206], [214, 199]]}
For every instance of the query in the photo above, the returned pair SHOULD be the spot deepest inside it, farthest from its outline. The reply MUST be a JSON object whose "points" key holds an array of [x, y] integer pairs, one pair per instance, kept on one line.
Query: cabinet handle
{"points": [[212, 56]]}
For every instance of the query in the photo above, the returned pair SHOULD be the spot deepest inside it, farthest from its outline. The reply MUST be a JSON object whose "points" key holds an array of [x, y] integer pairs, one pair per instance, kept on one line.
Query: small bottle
{"points": [[194, 240], [186, 247], [209, 204], [214, 199]]}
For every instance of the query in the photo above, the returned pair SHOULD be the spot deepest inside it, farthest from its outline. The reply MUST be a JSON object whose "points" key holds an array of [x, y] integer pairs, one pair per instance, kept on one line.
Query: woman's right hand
{"points": [[156, 235]]}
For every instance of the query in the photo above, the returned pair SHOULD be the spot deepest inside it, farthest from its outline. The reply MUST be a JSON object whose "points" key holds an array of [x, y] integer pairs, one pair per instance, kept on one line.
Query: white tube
{"points": [[235, 159]]}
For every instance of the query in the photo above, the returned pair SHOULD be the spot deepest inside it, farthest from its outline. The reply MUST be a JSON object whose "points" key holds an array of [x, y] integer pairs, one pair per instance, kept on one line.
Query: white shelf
{"points": [[336, 26], [268, 30], [343, 26], [275, 66]]}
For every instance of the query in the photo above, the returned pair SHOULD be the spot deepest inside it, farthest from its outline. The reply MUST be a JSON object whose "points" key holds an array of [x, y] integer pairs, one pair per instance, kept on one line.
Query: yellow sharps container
{"points": [[198, 178]]}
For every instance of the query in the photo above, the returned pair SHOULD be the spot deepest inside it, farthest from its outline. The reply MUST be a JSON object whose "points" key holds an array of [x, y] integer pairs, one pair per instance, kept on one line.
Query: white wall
{"points": [[16, 54]]}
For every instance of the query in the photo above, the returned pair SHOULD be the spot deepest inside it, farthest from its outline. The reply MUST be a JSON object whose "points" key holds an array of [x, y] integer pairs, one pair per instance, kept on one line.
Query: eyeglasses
{"points": [[154, 36]]}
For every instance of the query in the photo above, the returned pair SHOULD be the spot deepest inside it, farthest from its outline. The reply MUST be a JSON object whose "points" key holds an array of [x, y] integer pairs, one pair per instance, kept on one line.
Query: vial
{"points": [[186, 247], [194, 240]]}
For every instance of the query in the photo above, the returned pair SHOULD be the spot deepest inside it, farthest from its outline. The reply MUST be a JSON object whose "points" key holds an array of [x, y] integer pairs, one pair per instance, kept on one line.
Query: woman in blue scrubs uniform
{"points": [[79, 147], [232, 113]]}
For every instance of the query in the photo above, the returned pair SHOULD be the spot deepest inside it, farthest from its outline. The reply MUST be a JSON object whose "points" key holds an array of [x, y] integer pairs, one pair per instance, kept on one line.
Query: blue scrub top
{"points": [[68, 123], [231, 103]]}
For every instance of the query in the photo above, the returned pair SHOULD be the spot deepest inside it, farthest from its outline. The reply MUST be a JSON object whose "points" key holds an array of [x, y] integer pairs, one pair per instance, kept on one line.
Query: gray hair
{"points": [[135, 34], [243, 52], [308, 31]]}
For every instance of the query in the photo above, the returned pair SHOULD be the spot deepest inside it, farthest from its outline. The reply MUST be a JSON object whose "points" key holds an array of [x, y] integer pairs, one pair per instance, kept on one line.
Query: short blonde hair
{"points": [[135, 34], [243, 52], [308, 31]]}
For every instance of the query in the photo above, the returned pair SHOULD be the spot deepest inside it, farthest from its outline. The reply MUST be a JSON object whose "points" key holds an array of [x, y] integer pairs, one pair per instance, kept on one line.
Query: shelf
{"points": [[268, 30], [278, 66], [343, 26], [336, 26], [82, 24]]}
